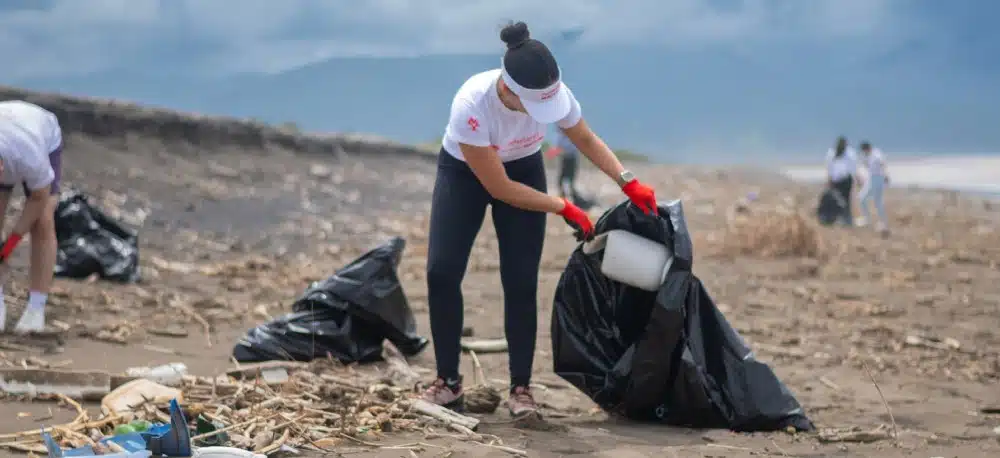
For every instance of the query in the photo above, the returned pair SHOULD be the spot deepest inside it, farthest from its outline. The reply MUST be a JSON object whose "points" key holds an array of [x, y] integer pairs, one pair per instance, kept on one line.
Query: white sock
{"points": [[36, 300]]}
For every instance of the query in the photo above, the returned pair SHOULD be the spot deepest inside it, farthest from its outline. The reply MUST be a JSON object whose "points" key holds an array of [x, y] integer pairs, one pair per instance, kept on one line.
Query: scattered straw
{"points": [[770, 233], [317, 402]]}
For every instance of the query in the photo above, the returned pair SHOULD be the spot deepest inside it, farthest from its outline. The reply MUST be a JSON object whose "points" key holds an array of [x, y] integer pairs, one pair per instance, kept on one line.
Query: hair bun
{"points": [[515, 34]]}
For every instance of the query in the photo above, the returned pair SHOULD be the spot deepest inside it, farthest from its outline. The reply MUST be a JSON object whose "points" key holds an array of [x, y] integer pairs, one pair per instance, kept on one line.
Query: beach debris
{"points": [[398, 370], [322, 400], [133, 394], [482, 397], [932, 342], [447, 416], [855, 434], [87, 385], [166, 374], [770, 232]]}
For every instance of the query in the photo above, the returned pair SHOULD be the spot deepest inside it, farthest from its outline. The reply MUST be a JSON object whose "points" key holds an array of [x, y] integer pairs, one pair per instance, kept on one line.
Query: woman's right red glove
{"points": [[577, 219]]}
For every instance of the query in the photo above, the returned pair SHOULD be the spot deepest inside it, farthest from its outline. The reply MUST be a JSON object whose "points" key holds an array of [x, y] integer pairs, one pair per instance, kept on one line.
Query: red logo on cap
{"points": [[473, 124], [548, 94]]}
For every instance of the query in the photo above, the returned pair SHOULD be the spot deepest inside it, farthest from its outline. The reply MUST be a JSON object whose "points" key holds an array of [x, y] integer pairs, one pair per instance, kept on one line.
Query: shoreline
{"points": [[979, 175]]}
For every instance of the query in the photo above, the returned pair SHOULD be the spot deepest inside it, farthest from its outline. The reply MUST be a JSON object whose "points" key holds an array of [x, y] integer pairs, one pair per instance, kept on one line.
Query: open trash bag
{"points": [[346, 316], [831, 207], [90, 242], [667, 356]]}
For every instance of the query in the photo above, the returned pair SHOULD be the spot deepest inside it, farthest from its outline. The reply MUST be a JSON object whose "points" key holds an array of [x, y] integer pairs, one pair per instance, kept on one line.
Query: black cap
{"points": [[528, 61]]}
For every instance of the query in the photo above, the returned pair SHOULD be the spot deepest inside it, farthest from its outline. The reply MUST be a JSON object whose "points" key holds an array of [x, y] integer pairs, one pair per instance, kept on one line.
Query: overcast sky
{"points": [[60, 37]]}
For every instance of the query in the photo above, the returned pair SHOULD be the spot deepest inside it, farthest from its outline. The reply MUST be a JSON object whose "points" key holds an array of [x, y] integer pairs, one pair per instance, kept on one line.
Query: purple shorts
{"points": [[55, 158]]}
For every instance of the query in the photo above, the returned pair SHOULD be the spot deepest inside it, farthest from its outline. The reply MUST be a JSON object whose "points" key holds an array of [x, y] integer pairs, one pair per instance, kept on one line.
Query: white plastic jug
{"points": [[632, 259], [167, 374]]}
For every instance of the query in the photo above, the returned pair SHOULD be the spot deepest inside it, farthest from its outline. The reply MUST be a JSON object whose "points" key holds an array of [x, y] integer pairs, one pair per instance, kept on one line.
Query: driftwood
{"points": [[444, 415], [252, 371], [87, 385], [398, 370], [485, 345]]}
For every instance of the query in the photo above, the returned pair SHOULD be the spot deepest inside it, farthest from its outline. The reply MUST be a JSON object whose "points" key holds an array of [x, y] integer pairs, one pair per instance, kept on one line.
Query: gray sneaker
{"points": [[447, 395], [521, 402]]}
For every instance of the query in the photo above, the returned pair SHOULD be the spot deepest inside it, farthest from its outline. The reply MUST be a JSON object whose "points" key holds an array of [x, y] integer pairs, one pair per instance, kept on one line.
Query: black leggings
{"points": [[457, 211], [846, 186]]}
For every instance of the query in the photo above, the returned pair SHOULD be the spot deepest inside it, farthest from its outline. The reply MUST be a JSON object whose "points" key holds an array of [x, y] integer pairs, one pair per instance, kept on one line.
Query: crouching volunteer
{"points": [[491, 157], [30, 153]]}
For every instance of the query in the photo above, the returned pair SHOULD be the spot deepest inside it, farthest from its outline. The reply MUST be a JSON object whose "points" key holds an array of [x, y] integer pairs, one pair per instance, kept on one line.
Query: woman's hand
{"points": [[577, 219], [642, 196]]}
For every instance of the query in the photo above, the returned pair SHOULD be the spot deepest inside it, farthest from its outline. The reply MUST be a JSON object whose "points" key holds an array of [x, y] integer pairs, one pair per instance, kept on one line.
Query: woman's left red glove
{"points": [[641, 195]]}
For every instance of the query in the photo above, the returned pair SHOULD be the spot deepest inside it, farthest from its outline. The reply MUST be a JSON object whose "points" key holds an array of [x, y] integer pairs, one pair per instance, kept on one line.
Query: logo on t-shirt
{"points": [[473, 123]]}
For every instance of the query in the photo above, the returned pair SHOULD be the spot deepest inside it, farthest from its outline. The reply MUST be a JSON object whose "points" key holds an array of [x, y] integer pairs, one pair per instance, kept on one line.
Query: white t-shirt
{"points": [[843, 166], [28, 133], [875, 163], [479, 118]]}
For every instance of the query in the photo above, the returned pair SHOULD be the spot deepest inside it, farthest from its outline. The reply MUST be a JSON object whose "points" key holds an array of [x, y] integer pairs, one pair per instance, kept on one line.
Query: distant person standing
{"points": [[569, 165], [874, 187], [30, 156], [841, 167]]}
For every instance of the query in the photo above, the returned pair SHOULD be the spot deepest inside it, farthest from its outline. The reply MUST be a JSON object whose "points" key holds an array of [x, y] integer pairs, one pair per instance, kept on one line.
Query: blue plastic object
{"points": [[130, 442], [172, 440]]}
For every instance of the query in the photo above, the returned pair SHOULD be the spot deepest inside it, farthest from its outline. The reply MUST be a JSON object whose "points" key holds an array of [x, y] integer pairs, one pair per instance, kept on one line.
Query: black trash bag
{"points": [[668, 356], [90, 242], [346, 316], [832, 207]]}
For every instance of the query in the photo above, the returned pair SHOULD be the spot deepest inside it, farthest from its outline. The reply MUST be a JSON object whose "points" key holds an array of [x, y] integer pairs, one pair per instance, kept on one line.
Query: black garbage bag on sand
{"points": [[668, 356], [346, 316], [90, 242], [831, 207]]}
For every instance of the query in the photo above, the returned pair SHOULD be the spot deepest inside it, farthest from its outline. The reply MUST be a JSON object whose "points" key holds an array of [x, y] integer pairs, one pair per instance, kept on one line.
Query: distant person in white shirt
{"points": [[30, 156], [874, 187], [841, 167]]}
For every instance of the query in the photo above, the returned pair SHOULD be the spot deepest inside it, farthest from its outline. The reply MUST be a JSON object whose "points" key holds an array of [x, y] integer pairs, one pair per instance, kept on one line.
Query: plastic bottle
{"points": [[167, 374]]}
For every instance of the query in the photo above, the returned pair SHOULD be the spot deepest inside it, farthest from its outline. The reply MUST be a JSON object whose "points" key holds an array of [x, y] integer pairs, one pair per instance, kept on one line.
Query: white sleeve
{"points": [[38, 171], [574, 115], [467, 124], [55, 133]]}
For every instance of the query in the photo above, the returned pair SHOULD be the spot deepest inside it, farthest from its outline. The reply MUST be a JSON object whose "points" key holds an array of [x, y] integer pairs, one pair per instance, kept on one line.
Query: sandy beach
{"points": [[895, 338]]}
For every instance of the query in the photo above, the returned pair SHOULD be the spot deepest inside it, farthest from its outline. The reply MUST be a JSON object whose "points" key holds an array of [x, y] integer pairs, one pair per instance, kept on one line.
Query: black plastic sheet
{"points": [[668, 356], [347, 316], [90, 242]]}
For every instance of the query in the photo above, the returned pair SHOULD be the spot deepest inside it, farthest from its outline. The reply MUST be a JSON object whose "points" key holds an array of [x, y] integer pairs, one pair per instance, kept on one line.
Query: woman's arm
{"points": [[595, 149], [486, 165]]}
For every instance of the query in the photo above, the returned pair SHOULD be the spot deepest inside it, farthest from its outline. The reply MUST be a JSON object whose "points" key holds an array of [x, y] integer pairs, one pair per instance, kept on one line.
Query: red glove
{"points": [[577, 219], [641, 195], [9, 245], [553, 151]]}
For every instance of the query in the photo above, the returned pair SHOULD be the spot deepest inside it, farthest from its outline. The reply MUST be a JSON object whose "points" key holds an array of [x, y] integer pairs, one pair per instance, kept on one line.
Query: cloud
{"points": [[224, 36]]}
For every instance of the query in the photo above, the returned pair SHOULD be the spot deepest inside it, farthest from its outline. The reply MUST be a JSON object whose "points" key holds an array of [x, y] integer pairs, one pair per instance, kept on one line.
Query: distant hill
{"points": [[705, 105]]}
